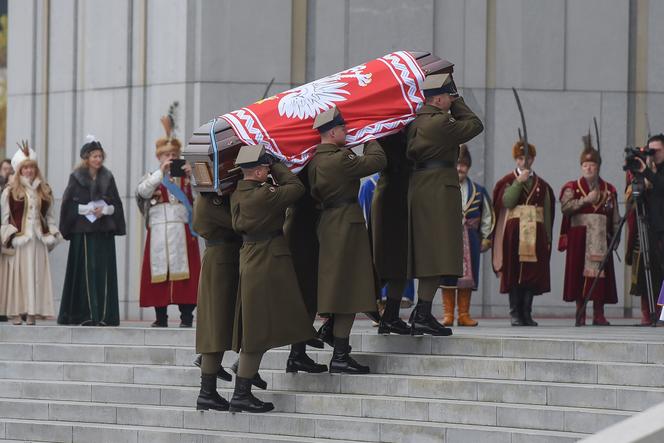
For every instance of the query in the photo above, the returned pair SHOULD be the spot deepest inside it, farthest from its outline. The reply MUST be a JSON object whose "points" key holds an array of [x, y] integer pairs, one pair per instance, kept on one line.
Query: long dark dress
{"points": [[90, 293]]}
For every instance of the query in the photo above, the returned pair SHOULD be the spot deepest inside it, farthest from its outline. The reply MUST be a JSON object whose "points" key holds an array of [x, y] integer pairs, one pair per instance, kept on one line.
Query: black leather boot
{"points": [[325, 332], [186, 315], [162, 317], [221, 373], [423, 322], [244, 400], [208, 397], [256, 380], [390, 322], [298, 360], [315, 343], [527, 309], [516, 318], [342, 362]]}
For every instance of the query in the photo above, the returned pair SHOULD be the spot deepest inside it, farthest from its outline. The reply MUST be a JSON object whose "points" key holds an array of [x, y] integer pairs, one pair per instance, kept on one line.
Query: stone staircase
{"points": [[489, 384]]}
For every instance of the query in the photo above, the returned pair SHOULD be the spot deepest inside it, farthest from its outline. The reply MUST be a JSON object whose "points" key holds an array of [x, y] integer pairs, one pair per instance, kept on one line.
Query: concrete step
{"points": [[211, 426], [17, 430], [339, 406], [614, 397], [498, 368], [181, 340]]}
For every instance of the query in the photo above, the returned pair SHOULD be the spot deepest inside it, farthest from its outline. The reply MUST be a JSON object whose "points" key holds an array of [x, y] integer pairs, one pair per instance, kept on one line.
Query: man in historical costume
{"points": [[524, 205], [217, 294], [478, 223], [386, 213], [590, 218], [434, 198], [652, 174], [27, 234], [171, 262], [300, 231], [269, 311], [346, 283]]}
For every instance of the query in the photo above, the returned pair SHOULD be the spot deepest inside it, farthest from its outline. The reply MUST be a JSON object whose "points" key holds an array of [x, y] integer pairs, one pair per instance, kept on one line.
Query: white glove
{"points": [[85, 209], [108, 210]]}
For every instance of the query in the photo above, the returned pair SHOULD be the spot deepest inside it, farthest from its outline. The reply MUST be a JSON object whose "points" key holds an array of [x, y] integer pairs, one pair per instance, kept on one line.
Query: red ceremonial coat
{"points": [[534, 276], [171, 291], [573, 240]]}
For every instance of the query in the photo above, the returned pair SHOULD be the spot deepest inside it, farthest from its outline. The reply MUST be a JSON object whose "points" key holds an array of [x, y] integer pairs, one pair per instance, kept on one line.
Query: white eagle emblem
{"points": [[307, 101]]}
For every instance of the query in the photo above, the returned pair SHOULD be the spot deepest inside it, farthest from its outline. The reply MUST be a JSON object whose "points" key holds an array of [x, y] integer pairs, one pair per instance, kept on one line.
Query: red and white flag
{"points": [[375, 99]]}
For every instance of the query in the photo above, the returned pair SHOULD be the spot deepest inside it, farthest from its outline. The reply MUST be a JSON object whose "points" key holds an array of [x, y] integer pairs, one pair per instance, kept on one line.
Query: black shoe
{"points": [[221, 373], [301, 362], [3, 318], [88, 323], [256, 380], [325, 332], [342, 362], [515, 309], [244, 400], [208, 397], [527, 309], [423, 322], [315, 343], [158, 324], [184, 324], [390, 322]]}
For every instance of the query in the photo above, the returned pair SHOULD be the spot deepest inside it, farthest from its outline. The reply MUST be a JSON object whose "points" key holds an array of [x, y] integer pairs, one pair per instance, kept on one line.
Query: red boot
{"points": [[598, 314], [582, 319], [645, 311]]}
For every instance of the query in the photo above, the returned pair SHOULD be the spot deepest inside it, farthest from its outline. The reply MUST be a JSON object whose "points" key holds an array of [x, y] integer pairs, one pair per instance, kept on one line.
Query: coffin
{"points": [[229, 135]]}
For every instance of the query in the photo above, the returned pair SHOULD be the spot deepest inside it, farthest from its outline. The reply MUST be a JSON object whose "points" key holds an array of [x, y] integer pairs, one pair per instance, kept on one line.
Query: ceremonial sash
{"points": [[178, 193], [596, 246], [529, 216]]}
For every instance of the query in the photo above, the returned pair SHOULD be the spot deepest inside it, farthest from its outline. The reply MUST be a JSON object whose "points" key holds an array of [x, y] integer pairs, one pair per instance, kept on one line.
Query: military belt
{"points": [[222, 241], [338, 203], [255, 238], [434, 164]]}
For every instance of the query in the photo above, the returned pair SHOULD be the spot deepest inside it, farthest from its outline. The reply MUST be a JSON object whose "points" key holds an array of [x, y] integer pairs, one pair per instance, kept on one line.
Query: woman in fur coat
{"points": [[28, 233], [91, 216]]}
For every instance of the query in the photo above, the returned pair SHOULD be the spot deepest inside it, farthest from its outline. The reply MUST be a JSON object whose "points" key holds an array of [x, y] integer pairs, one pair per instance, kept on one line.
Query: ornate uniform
{"points": [[585, 234], [522, 239]]}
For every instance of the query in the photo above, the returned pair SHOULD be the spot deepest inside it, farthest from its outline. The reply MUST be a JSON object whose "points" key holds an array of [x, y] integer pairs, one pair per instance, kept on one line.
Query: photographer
{"points": [[651, 173]]}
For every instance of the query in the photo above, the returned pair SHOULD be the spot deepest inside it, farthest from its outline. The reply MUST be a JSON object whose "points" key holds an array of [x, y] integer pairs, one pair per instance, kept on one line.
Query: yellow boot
{"points": [[448, 306], [463, 300]]}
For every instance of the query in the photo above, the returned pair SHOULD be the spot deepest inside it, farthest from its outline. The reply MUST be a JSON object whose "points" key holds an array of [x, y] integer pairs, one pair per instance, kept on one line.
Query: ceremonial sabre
{"points": [[524, 139]]}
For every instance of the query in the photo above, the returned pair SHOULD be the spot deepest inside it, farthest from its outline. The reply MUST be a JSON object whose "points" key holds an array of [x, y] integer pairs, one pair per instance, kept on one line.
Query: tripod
{"points": [[644, 245]]}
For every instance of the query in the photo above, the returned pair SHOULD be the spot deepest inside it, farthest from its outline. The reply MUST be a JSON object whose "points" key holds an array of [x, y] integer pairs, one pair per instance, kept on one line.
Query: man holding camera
{"points": [[590, 219], [171, 261], [651, 172]]}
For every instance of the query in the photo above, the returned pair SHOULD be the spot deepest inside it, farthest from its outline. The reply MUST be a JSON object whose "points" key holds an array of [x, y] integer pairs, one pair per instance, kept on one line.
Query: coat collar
{"points": [[244, 185], [430, 109], [327, 147]]}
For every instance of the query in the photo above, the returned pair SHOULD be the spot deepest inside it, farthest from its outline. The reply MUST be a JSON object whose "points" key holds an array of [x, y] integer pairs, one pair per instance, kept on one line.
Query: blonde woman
{"points": [[27, 232], [91, 216]]}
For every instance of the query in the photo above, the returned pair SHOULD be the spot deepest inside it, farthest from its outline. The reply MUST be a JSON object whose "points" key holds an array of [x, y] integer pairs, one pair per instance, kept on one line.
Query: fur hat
{"points": [[589, 154], [169, 143], [90, 143], [23, 154], [464, 156], [518, 150]]}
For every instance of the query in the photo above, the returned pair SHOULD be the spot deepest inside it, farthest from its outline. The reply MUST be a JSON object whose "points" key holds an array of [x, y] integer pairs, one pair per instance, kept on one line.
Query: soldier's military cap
{"points": [[439, 84], [251, 156], [328, 119]]}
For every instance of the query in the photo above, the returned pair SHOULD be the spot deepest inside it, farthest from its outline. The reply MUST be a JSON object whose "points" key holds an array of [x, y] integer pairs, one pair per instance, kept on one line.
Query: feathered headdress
{"points": [[519, 150], [464, 156], [90, 143], [169, 122], [24, 153], [589, 153]]}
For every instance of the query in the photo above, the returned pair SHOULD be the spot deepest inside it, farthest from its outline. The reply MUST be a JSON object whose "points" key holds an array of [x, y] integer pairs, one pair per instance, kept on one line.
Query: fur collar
{"points": [[98, 187]]}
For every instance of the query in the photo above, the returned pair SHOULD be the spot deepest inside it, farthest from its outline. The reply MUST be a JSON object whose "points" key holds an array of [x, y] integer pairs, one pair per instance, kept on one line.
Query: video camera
{"points": [[631, 155]]}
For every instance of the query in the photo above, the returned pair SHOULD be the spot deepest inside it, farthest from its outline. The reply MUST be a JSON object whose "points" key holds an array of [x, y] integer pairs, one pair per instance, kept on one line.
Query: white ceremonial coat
{"points": [[168, 240], [27, 273]]}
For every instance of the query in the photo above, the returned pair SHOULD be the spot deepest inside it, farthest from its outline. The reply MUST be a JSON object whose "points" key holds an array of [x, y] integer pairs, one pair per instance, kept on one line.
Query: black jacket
{"points": [[81, 190], [655, 199]]}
